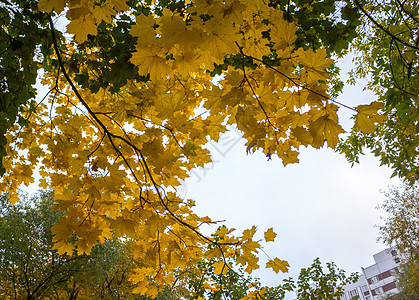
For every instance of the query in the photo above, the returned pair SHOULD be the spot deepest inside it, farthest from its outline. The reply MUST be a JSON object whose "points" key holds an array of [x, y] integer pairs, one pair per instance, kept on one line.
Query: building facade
{"points": [[377, 280]]}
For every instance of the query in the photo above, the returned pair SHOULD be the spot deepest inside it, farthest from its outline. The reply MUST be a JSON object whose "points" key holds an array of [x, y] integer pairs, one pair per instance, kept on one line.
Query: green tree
{"points": [[25, 44], [315, 283], [387, 55], [401, 229], [408, 279], [401, 219], [232, 284], [31, 269]]}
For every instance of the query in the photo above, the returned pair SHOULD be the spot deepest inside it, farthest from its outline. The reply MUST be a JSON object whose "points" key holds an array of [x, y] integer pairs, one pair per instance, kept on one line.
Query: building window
{"points": [[353, 293], [364, 288], [379, 290], [368, 297], [397, 260], [393, 252], [374, 279]]}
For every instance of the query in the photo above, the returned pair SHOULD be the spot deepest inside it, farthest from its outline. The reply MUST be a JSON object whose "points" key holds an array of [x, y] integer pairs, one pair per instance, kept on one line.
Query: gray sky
{"points": [[320, 207]]}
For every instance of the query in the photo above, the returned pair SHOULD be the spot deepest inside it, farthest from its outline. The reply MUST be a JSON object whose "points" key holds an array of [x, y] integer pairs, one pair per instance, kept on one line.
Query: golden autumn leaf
{"points": [[64, 248], [221, 232], [13, 198], [151, 60], [368, 117], [82, 25], [315, 60], [48, 5], [283, 35], [144, 30], [270, 235], [249, 246], [325, 129], [278, 265], [119, 5], [35, 151], [249, 233], [187, 62], [220, 268], [315, 65], [123, 226], [302, 135], [219, 40]]}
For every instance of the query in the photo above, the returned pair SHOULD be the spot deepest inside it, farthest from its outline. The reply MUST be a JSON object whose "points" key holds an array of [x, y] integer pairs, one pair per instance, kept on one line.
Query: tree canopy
{"points": [[387, 47], [401, 229], [31, 269], [136, 88], [401, 223]]}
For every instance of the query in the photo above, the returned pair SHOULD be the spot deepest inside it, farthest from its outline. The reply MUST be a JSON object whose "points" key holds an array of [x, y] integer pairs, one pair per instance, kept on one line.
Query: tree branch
{"points": [[382, 28], [129, 143]]}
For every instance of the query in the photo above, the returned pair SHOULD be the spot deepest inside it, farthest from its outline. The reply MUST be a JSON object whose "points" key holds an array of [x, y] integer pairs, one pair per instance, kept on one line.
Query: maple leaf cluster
{"points": [[116, 153]]}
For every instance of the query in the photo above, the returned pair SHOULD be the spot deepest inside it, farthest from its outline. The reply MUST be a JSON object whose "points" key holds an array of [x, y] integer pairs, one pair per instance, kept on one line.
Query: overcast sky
{"points": [[320, 207]]}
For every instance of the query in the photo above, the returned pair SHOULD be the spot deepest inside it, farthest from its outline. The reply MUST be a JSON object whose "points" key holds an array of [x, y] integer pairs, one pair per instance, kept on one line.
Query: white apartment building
{"points": [[376, 280]]}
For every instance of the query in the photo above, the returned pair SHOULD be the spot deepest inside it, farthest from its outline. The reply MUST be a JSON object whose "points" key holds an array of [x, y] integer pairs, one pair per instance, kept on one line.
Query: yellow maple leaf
{"points": [[167, 104], [297, 99], [368, 117], [256, 47], [82, 25], [213, 126], [250, 246], [35, 151], [278, 265], [220, 268], [151, 60], [187, 62], [283, 34], [104, 12], [288, 156], [270, 235], [252, 263], [140, 275], [63, 247], [249, 233], [48, 5], [13, 198], [222, 231], [315, 64], [220, 40], [302, 135], [123, 226], [316, 60], [173, 30], [327, 129], [144, 30], [119, 5]]}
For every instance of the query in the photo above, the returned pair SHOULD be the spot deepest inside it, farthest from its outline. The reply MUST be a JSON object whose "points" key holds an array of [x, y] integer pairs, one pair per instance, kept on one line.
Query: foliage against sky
{"points": [[31, 269], [401, 229], [387, 55], [132, 101]]}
